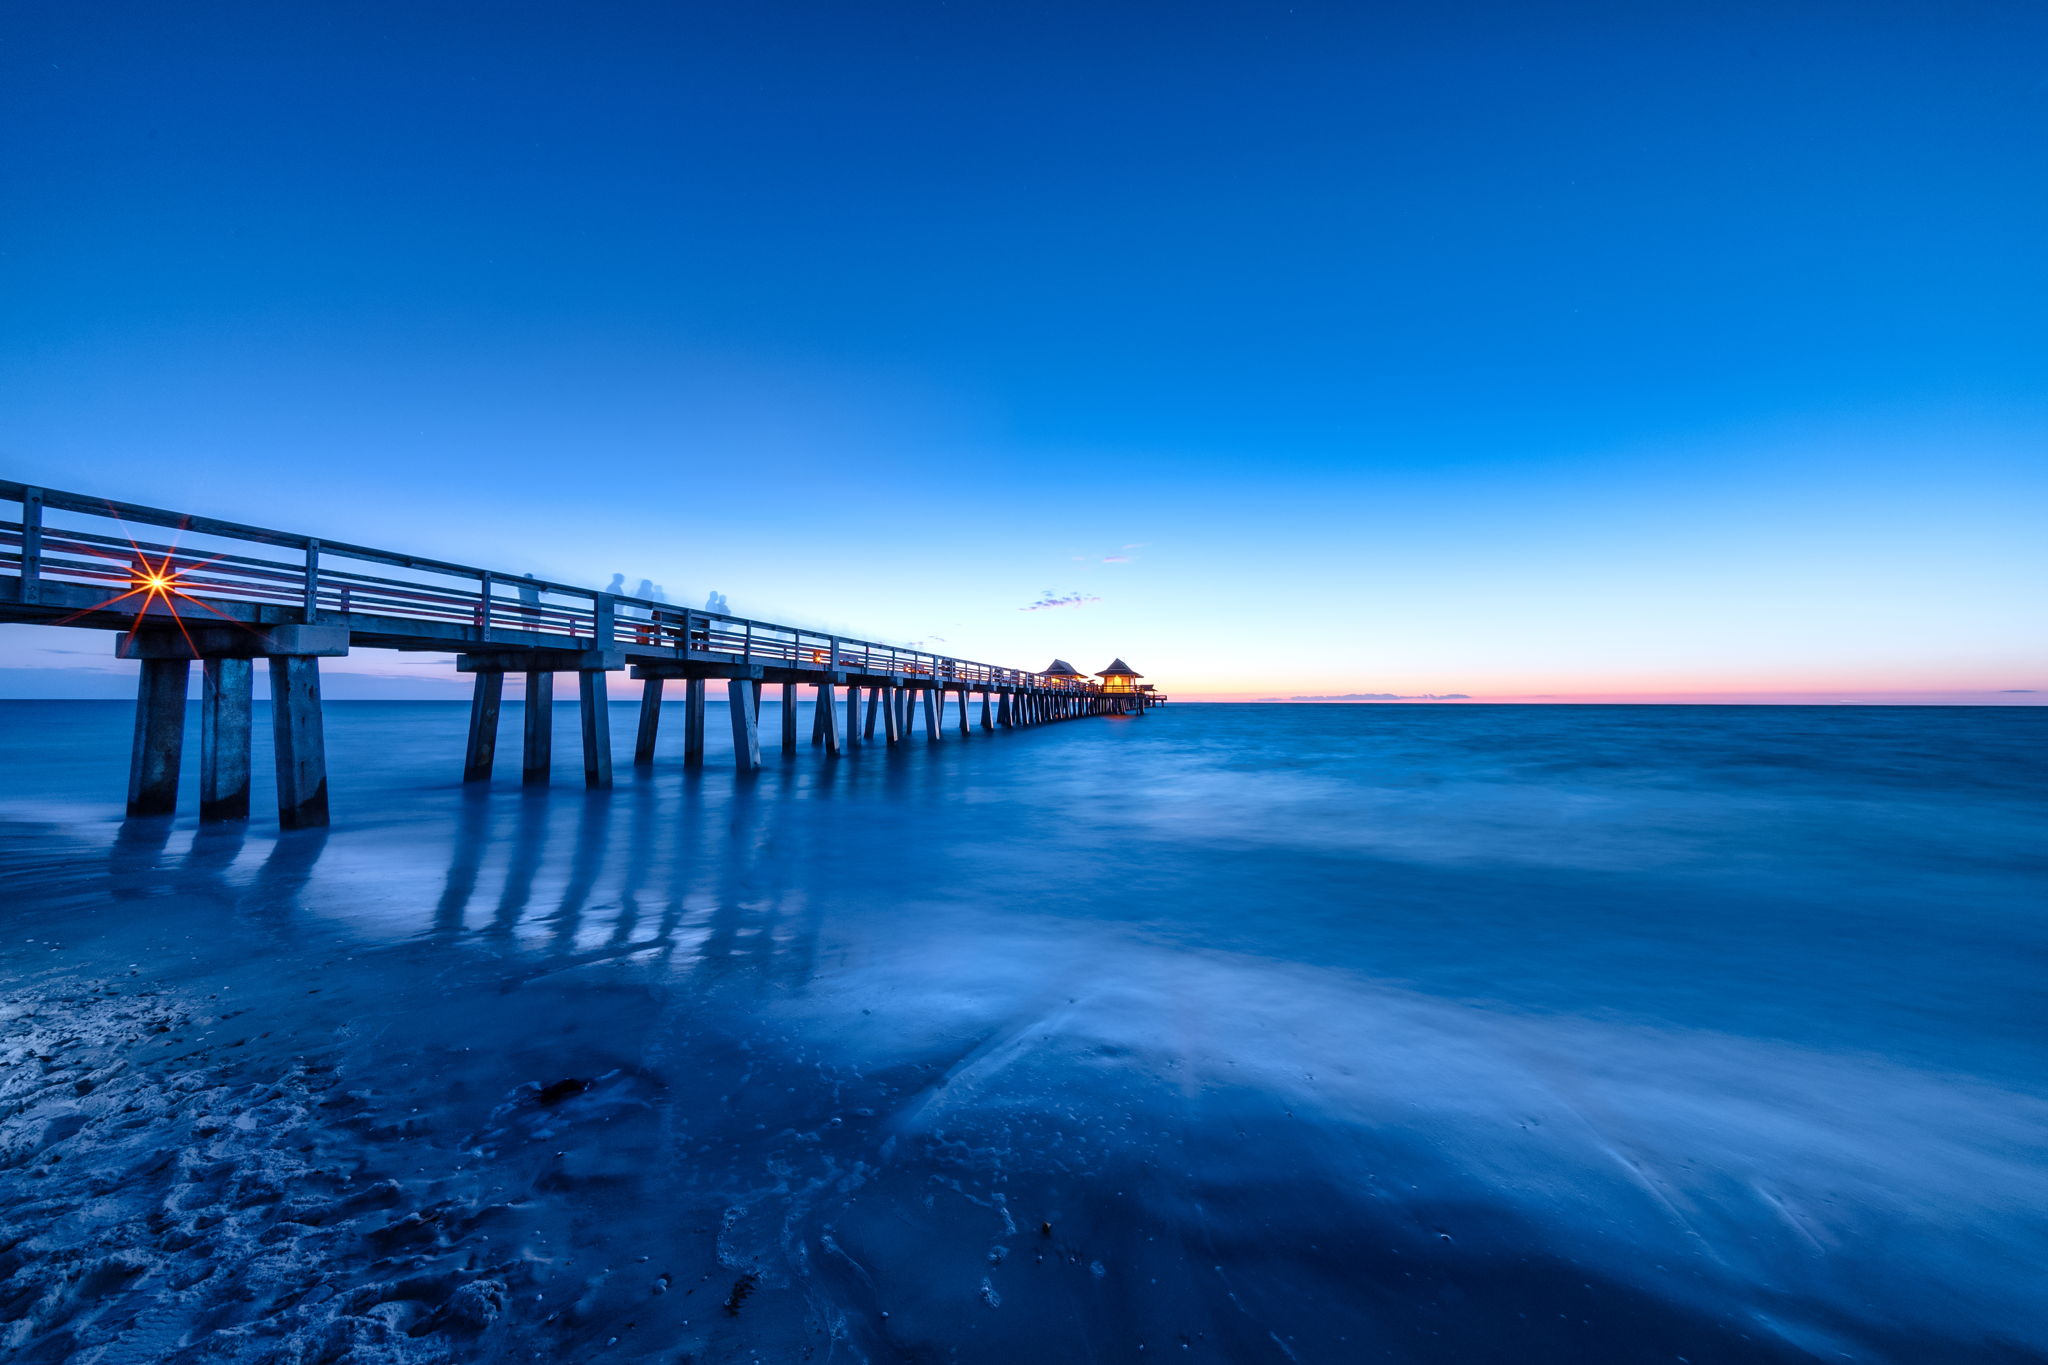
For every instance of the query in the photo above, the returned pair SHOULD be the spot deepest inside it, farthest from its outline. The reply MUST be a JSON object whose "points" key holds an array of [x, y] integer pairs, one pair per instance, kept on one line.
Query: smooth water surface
{"points": [[1312, 1033]]}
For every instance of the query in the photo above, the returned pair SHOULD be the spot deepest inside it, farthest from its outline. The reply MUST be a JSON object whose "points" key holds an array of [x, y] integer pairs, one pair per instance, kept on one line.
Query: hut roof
{"points": [[1060, 668], [1119, 669]]}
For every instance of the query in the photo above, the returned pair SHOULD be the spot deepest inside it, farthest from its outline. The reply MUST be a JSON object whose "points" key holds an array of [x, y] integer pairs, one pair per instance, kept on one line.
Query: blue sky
{"points": [[1505, 350]]}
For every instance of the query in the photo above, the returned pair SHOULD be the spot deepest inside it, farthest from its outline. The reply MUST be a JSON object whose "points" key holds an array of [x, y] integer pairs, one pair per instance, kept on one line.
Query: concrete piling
{"points": [[484, 703], [539, 755], [594, 703], [828, 731], [299, 740], [743, 699], [159, 736], [650, 721], [226, 699], [693, 722]]}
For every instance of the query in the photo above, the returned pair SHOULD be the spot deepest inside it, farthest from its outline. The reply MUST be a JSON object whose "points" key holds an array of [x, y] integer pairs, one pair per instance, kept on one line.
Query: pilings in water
{"points": [[227, 659], [743, 698], [484, 704], [226, 706], [537, 754], [159, 736], [650, 721], [693, 722], [226, 701], [299, 740], [597, 727], [536, 765]]}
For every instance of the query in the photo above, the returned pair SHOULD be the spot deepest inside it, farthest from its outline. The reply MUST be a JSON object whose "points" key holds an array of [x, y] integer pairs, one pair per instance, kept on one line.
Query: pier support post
{"points": [[300, 742], [693, 722], [225, 702], [789, 718], [159, 736], [852, 717], [484, 703], [594, 701], [743, 696], [650, 722], [987, 721], [963, 711], [828, 730], [933, 731], [540, 728], [821, 716], [867, 729], [892, 715]]}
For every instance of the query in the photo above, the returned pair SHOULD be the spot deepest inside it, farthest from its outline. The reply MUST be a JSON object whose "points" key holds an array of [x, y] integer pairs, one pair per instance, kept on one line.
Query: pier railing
{"points": [[65, 547]]}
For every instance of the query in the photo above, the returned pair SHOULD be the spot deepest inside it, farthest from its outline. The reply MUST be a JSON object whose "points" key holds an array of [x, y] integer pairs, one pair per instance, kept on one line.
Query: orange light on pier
{"points": [[1119, 677]]}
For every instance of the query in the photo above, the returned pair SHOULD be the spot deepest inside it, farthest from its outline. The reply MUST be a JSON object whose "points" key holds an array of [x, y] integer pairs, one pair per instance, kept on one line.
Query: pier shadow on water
{"points": [[1239, 1034]]}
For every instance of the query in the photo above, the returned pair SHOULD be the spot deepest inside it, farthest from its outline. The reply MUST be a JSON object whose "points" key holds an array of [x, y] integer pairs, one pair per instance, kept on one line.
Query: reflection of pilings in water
{"points": [[797, 954], [134, 863], [639, 858], [528, 839], [746, 873], [472, 837], [763, 917], [727, 919], [585, 863], [215, 846], [274, 891]]}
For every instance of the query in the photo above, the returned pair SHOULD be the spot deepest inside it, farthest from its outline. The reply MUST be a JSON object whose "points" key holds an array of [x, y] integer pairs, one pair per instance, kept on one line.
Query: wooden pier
{"points": [[181, 589]]}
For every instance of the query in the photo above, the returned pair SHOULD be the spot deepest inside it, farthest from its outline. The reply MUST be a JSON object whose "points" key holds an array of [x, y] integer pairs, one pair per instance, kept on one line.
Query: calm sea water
{"points": [[1309, 1033]]}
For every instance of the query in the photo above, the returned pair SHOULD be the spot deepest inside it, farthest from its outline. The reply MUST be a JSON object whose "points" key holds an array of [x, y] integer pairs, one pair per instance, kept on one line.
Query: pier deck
{"points": [[179, 588]]}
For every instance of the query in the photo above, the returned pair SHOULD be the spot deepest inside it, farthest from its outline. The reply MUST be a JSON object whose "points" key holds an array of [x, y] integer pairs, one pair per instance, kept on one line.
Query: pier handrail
{"points": [[326, 581]]}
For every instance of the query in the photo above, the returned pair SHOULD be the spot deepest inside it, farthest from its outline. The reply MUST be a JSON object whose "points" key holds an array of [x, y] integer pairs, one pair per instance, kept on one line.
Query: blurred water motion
{"points": [[1245, 1033]]}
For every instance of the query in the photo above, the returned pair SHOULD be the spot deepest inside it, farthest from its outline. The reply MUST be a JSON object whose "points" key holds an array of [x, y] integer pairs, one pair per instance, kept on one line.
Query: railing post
{"points": [[31, 544], [747, 655], [602, 623], [312, 582], [483, 608]]}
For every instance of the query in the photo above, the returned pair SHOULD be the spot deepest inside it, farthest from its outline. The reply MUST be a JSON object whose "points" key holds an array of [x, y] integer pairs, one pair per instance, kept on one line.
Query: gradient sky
{"points": [[1503, 350]]}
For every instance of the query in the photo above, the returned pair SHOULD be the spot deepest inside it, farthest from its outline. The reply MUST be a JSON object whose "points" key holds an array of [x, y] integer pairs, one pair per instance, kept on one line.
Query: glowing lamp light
{"points": [[1119, 677]]}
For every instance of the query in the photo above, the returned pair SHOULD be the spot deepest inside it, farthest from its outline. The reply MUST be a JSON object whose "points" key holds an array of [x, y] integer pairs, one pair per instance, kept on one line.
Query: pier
{"points": [[179, 589]]}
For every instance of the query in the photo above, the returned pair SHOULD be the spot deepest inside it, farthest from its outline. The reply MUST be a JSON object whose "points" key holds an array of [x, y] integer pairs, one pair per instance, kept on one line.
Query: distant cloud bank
{"points": [[1380, 696], [1049, 600]]}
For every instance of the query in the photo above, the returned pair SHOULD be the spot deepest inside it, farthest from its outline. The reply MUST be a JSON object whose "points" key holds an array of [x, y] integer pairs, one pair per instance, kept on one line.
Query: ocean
{"points": [[1231, 1033]]}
